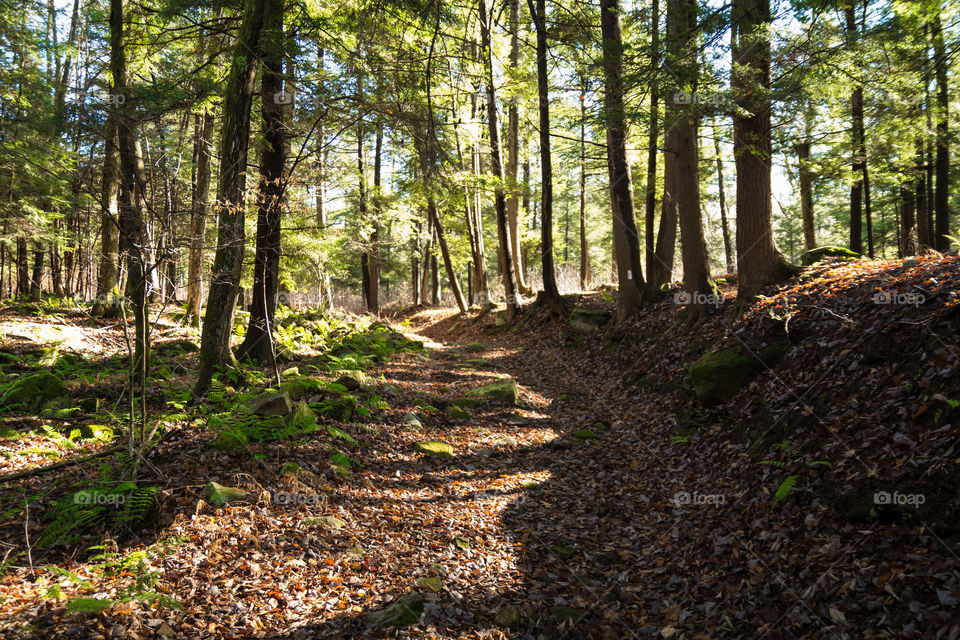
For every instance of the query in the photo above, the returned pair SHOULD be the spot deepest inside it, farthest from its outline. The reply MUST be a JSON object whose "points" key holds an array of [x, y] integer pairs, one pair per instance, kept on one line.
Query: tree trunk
{"points": [[942, 193], [23, 273], [258, 340], [36, 278], [652, 139], [228, 262], [132, 192], [550, 290], [758, 261], [626, 242], [923, 219], [857, 143], [681, 164], [586, 274], [908, 232], [373, 266], [203, 132], [496, 168], [724, 225], [806, 184], [513, 154]]}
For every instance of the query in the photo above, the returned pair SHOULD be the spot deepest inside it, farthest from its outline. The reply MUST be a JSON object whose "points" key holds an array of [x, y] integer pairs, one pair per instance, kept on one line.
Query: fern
{"points": [[783, 490]]}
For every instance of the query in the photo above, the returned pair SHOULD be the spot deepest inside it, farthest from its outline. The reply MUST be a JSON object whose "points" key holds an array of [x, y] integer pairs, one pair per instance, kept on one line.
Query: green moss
{"points": [[820, 253], [719, 375], [505, 391], [33, 391], [435, 448]]}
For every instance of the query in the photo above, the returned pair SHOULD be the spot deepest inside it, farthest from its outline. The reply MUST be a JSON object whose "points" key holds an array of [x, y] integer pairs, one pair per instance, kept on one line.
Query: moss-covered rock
{"points": [[435, 448], [219, 495], [402, 612], [509, 617], [821, 253], [272, 404], [588, 320], [467, 403], [504, 391], [34, 391], [352, 380], [455, 412], [585, 434], [340, 410], [412, 422], [719, 375], [301, 387]]}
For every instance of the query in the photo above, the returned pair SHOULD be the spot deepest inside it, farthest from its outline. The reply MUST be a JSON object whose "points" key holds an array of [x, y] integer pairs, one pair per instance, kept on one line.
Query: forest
{"points": [[485, 319]]}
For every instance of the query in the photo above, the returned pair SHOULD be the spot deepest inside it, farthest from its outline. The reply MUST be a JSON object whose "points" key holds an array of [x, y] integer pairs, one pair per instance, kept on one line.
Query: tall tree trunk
{"points": [[258, 340], [132, 191], [806, 182], [626, 242], [203, 132], [373, 266], [724, 224], [758, 261], [36, 278], [856, 140], [586, 274], [496, 167], [652, 140], [920, 184], [23, 272], [681, 164], [230, 206], [513, 154], [550, 290], [942, 193], [908, 233]]}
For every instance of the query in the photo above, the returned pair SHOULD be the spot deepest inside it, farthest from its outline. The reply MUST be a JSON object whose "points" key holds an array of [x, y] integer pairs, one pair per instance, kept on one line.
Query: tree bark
{"points": [[203, 132], [652, 140], [230, 206], [586, 274], [942, 167], [857, 142], [513, 154], [258, 339], [496, 168], [550, 290], [108, 303], [724, 225], [626, 242], [132, 191], [681, 164], [758, 261]]}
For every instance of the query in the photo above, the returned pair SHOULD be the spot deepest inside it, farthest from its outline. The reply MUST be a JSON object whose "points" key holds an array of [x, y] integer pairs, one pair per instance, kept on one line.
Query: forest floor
{"points": [[606, 501]]}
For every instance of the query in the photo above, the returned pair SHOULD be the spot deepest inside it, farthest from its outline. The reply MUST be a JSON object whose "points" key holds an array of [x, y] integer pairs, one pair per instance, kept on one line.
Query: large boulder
{"points": [[33, 391], [588, 320]]}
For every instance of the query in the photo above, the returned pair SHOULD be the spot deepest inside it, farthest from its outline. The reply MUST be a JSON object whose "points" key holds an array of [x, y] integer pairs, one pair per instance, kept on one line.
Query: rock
{"points": [[402, 612], [505, 391], [568, 614], [90, 405], [719, 375], [808, 258], [390, 390], [302, 386], [500, 318], [327, 522], [219, 495], [272, 404], [48, 357], [455, 412], [435, 448], [606, 557], [476, 347], [509, 617], [561, 550], [467, 403], [303, 417], [461, 543], [588, 320], [34, 391], [352, 380], [340, 410], [434, 583], [412, 421], [230, 439], [584, 434], [176, 347], [291, 372]]}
